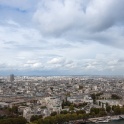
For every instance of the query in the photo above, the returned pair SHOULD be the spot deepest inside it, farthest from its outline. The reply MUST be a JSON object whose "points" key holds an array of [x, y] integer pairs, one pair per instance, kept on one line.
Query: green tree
{"points": [[80, 112], [93, 96], [35, 117], [117, 110], [115, 96], [99, 103], [64, 112], [102, 113], [71, 108], [63, 104], [108, 108], [15, 109], [122, 110], [19, 120], [53, 113]]}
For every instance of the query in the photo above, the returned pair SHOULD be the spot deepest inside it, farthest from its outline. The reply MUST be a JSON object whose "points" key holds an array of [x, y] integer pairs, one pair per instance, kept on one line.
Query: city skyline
{"points": [[62, 37]]}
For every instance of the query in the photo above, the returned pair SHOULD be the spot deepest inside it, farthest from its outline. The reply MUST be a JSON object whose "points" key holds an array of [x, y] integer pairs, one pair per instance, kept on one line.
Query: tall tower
{"points": [[12, 77]]}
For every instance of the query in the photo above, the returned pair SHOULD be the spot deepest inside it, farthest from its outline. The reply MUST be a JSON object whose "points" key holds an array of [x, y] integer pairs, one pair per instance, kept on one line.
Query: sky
{"points": [[62, 37]]}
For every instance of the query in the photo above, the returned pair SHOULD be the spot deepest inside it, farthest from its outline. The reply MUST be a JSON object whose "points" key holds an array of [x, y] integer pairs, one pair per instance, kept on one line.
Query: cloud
{"points": [[58, 16], [77, 20], [62, 36], [56, 61], [54, 17], [34, 66]]}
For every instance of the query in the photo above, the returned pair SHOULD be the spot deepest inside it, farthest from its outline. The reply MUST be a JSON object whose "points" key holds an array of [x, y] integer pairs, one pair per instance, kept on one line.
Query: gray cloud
{"points": [[62, 36], [99, 21]]}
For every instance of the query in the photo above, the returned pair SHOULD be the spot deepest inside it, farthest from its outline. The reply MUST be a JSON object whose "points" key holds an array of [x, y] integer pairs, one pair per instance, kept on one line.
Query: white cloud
{"points": [[56, 61], [69, 36], [77, 21], [54, 17], [34, 66]]}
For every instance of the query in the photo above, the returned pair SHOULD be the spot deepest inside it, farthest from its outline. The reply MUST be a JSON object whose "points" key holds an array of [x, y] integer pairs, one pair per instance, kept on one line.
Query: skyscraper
{"points": [[12, 77]]}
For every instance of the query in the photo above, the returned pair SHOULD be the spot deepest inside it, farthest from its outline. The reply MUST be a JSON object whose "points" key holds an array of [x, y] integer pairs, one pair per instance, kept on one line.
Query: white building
{"points": [[53, 104]]}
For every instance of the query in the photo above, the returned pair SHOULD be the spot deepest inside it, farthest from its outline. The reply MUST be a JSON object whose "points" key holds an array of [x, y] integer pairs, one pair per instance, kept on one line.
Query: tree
{"points": [[95, 110], [93, 96], [66, 103], [40, 121], [99, 103], [80, 105], [80, 112], [15, 109], [117, 110], [108, 108], [19, 120], [63, 104], [85, 116], [98, 111], [114, 96], [102, 105], [53, 113], [71, 108], [63, 112], [92, 114], [35, 117], [113, 107], [51, 88], [122, 110], [102, 113]]}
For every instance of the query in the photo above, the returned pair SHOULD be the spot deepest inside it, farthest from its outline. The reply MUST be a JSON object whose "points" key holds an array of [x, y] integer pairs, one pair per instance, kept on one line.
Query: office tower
{"points": [[12, 77]]}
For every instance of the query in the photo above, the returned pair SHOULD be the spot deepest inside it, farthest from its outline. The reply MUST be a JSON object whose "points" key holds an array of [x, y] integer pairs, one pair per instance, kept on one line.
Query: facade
{"points": [[53, 104]]}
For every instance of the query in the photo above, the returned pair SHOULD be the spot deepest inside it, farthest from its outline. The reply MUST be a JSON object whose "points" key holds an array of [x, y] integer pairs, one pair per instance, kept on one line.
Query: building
{"points": [[11, 77]]}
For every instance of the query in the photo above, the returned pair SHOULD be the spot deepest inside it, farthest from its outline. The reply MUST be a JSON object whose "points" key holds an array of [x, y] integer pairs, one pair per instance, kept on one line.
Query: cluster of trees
{"points": [[67, 103], [77, 112], [117, 110], [64, 112], [95, 96], [53, 113], [80, 105], [61, 118], [18, 120], [98, 112], [9, 112], [66, 116], [11, 116], [14, 110], [35, 117], [114, 96], [108, 108]]}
